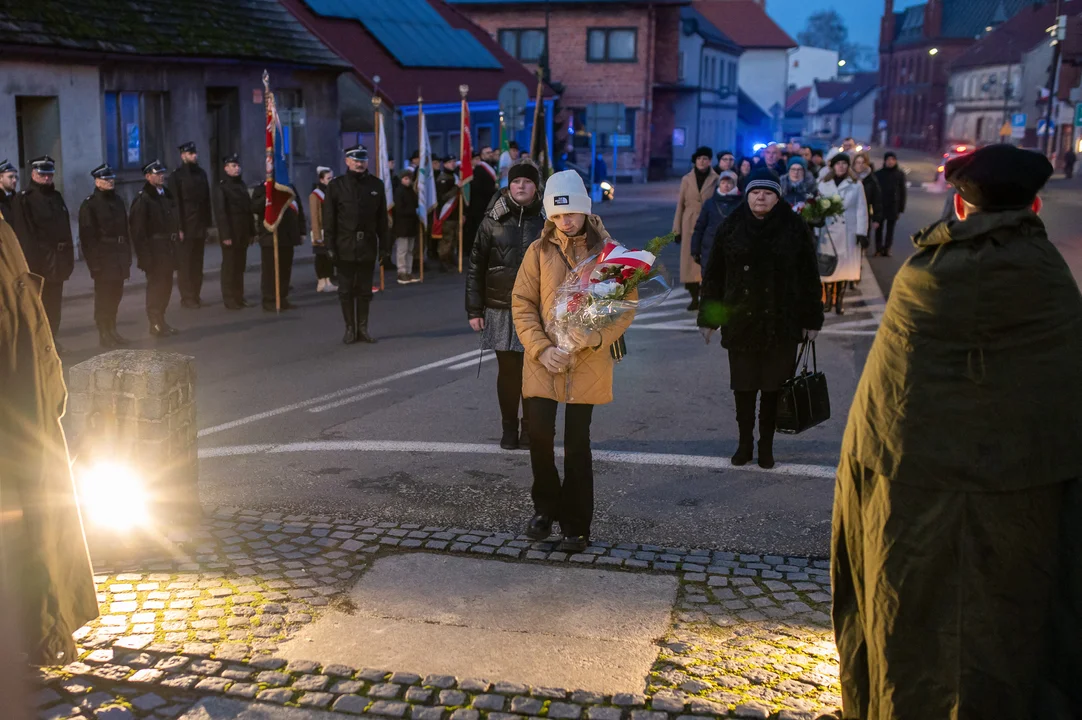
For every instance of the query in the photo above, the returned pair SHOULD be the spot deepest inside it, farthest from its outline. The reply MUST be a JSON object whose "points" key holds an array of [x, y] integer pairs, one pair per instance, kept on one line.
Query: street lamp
{"points": [[933, 51], [841, 63]]}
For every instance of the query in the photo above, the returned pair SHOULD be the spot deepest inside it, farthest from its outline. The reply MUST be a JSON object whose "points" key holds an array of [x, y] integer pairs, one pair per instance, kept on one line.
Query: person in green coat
{"points": [[957, 532], [45, 568]]}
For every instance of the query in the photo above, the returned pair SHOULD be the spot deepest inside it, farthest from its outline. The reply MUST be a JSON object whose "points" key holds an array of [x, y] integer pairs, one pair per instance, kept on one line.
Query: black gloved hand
{"points": [[862, 240], [698, 259], [677, 239]]}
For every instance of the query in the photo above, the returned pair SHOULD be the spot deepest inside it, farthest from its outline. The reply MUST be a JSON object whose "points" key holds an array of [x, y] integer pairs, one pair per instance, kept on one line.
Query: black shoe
{"points": [[169, 329], [362, 322], [269, 307], [364, 337], [539, 527], [243, 303], [573, 544], [191, 304], [509, 441], [286, 305], [119, 339], [766, 453], [744, 453], [159, 329], [349, 314], [105, 339]]}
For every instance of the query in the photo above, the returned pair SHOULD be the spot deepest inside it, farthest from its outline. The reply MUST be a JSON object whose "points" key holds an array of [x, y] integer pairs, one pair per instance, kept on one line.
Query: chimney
{"points": [[886, 26], [933, 19]]}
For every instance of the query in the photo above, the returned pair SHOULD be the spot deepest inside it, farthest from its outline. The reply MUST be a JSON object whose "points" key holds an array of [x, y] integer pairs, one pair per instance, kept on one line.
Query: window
{"points": [[732, 77], [435, 142], [524, 45], [292, 115], [611, 45], [484, 136], [454, 143], [134, 128]]}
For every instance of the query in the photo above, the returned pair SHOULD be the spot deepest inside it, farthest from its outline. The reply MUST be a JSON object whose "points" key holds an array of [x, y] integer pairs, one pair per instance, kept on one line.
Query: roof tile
{"points": [[746, 22]]}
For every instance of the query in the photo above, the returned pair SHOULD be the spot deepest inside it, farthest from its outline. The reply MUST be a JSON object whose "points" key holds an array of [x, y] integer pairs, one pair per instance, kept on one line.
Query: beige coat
{"points": [[543, 270], [43, 555], [315, 213], [688, 206]]}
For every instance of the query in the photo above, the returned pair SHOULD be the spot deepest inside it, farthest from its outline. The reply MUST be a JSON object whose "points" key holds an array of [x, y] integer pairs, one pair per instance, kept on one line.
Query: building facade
{"points": [[808, 64], [706, 108], [622, 54]]}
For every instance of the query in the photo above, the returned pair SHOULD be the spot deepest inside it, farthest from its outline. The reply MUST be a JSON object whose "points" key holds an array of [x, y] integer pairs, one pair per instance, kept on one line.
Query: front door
{"points": [[223, 128]]}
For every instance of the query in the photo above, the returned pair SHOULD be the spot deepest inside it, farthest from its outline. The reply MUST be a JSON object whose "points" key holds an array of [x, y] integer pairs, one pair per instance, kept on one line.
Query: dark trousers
{"points": [[159, 290], [324, 267], [355, 279], [285, 271], [52, 295], [745, 414], [509, 385], [1069, 170], [884, 235], [107, 294], [190, 266], [234, 262], [571, 503]]}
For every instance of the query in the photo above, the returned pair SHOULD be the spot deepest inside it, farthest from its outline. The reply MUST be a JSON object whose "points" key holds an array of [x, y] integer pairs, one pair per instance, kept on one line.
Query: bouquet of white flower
{"points": [[817, 210]]}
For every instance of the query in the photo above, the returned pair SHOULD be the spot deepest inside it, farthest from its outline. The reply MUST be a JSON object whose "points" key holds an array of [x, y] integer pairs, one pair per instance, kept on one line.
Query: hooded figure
{"points": [[695, 189], [956, 534], [44, 564]]}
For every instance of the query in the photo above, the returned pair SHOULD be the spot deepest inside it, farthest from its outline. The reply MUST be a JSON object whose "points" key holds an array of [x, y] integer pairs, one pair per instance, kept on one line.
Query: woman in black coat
{"points": [[761, 288], [510, 226]]}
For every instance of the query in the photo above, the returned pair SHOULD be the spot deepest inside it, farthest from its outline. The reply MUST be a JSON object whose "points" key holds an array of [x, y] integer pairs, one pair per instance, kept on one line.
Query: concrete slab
{"points": [[575, 628], [216, 708]]}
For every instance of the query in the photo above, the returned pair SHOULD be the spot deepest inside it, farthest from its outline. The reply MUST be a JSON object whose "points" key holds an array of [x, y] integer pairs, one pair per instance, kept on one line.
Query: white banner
{"points": [[426, 183]]}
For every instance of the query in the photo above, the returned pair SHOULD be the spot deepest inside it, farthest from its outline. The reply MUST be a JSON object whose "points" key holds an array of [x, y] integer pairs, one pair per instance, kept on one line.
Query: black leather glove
{"points": [[862, 240], [677, 239], [698, 259]]}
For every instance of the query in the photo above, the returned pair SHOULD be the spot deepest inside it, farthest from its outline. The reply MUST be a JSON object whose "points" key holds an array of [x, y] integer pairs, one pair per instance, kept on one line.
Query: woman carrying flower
{"points": [[845, 233]]}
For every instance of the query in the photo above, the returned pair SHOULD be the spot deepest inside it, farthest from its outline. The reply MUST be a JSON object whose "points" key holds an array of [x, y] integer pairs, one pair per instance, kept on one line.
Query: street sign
{"points": [[882, 124], [1018, 125], [1078, 115], [620, 140], [1042, 126], [1005, 131], [512, 98]]}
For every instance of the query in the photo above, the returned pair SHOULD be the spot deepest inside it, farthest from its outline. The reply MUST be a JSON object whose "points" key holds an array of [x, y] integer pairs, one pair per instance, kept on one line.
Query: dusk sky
{"points": [[861, 16]]}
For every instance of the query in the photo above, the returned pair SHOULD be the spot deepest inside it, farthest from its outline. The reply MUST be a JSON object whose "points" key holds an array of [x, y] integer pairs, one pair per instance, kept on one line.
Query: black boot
{"points": [[840, 288], [539, 528], [509, 441], [105, 338], [828, 304], [745, 420], [350, 316], [362, 321], [119, 339], [693, 288], [768, 419]]}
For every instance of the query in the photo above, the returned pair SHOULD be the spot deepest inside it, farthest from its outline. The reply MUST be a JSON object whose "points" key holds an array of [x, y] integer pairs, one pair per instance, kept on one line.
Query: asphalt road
{"points": [[292, 420]]}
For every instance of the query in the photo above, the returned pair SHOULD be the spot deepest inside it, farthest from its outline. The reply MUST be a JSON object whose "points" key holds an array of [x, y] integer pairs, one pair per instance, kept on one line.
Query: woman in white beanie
{"points": [[571, 234]]}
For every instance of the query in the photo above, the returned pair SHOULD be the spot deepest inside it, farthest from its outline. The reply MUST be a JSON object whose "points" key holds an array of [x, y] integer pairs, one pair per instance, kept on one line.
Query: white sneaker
{"points": [[403, 280]]}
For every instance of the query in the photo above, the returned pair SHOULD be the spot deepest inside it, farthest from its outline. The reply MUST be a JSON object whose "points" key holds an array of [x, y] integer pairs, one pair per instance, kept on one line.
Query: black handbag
{"points": [[827, 263], [804, 400]]}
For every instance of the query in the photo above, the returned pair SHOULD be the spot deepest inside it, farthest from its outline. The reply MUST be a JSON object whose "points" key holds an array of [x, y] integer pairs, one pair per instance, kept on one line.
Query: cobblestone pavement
{"points": [[750, 635]]}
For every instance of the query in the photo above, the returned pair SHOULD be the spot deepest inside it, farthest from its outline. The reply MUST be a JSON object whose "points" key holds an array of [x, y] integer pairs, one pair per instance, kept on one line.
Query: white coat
{"points": [[843, 229]]}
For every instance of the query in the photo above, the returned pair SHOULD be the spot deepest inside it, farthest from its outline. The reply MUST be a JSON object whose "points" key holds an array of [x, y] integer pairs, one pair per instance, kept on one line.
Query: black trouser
{"points": [[571, 503], [355, 279], [285, 271], [52, 295], [745, 413], [884, 235], [107, 294], [159, 290], [190, 266], [324, 267], [234, 263], [509, 385]]}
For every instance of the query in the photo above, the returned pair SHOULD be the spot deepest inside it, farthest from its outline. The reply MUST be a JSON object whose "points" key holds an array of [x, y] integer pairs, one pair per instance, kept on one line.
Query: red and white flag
{"points": [[444, 213], [616, 254]]}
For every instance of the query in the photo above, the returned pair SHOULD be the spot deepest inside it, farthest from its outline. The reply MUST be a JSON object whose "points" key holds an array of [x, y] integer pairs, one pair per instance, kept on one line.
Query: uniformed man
{"points": [[446, 191], [41, 222], [191, 190], [103, 232], [233, 206], [155, 233], [9, 184], [290, 236], [355, 231]]}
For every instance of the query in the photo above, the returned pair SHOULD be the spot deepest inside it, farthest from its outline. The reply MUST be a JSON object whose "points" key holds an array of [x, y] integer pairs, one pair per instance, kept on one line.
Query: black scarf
{"points": [[700, 176]]}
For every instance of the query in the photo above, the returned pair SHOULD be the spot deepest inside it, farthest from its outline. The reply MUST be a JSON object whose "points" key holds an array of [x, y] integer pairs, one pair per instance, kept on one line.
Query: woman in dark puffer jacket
{"points": [[513, 223]]}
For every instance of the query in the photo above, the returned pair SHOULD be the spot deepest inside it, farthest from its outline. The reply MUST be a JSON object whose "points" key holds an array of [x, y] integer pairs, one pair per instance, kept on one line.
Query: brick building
{"points": [[916, 48], [603, 52]]}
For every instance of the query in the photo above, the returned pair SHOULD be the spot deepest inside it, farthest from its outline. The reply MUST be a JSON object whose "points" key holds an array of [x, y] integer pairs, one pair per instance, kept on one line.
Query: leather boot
{"points": [[362, 321], [350, 316], [119, 339], [693, 288], [509, 441], [828, 304], [839, 307], [745, 420], [105, 338], [768, 419]]}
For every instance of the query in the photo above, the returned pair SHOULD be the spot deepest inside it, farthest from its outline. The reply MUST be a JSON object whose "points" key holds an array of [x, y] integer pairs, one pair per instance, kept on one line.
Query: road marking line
{"points": [[335, 395], [473, 362], [851, 324], [347, 401], [822, 472], [688, 324], [663, 313]]}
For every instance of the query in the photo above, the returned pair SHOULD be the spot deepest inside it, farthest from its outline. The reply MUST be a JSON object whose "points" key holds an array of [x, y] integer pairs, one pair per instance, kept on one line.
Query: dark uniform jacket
{"points": [[406, 221], [501, 243], [291, 229], [355, 218], [40, 220], [233, 207], [155, 228], [483, 187], [5, 204], [892, 184], [873, 194], [191, 190], [43, 555], [761, 284], [103, 232]]}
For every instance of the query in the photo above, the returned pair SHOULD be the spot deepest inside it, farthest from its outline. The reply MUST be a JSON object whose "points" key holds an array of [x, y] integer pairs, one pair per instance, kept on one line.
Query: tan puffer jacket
{"points": [[543, 270]]}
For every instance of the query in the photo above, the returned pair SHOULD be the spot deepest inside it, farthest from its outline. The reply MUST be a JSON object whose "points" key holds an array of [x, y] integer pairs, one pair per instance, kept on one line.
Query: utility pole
{"points": [[1058, 32]]}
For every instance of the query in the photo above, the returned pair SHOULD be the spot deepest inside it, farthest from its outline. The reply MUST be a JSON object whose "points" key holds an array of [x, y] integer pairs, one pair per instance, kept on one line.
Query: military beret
{"points": [[44, 165], [6, 167], [103, 172], [188, 147], [154, 167], [998, 177], [357, 152], [231, 158], [704, 151]]}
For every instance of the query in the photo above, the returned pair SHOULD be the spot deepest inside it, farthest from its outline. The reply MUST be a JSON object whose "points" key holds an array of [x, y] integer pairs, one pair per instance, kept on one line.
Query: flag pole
{"points": [[417, 178], [536, 117], [271, 130], [381, 171], [463, 90]]}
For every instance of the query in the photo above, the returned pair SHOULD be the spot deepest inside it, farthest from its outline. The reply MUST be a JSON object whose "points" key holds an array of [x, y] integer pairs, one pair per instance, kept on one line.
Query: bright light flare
{"points": [[113, 495], [758, 146]]}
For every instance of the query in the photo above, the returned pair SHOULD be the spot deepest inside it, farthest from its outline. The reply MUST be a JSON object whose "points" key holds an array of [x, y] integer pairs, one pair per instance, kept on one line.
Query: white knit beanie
{"points": [[565, 193]]}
